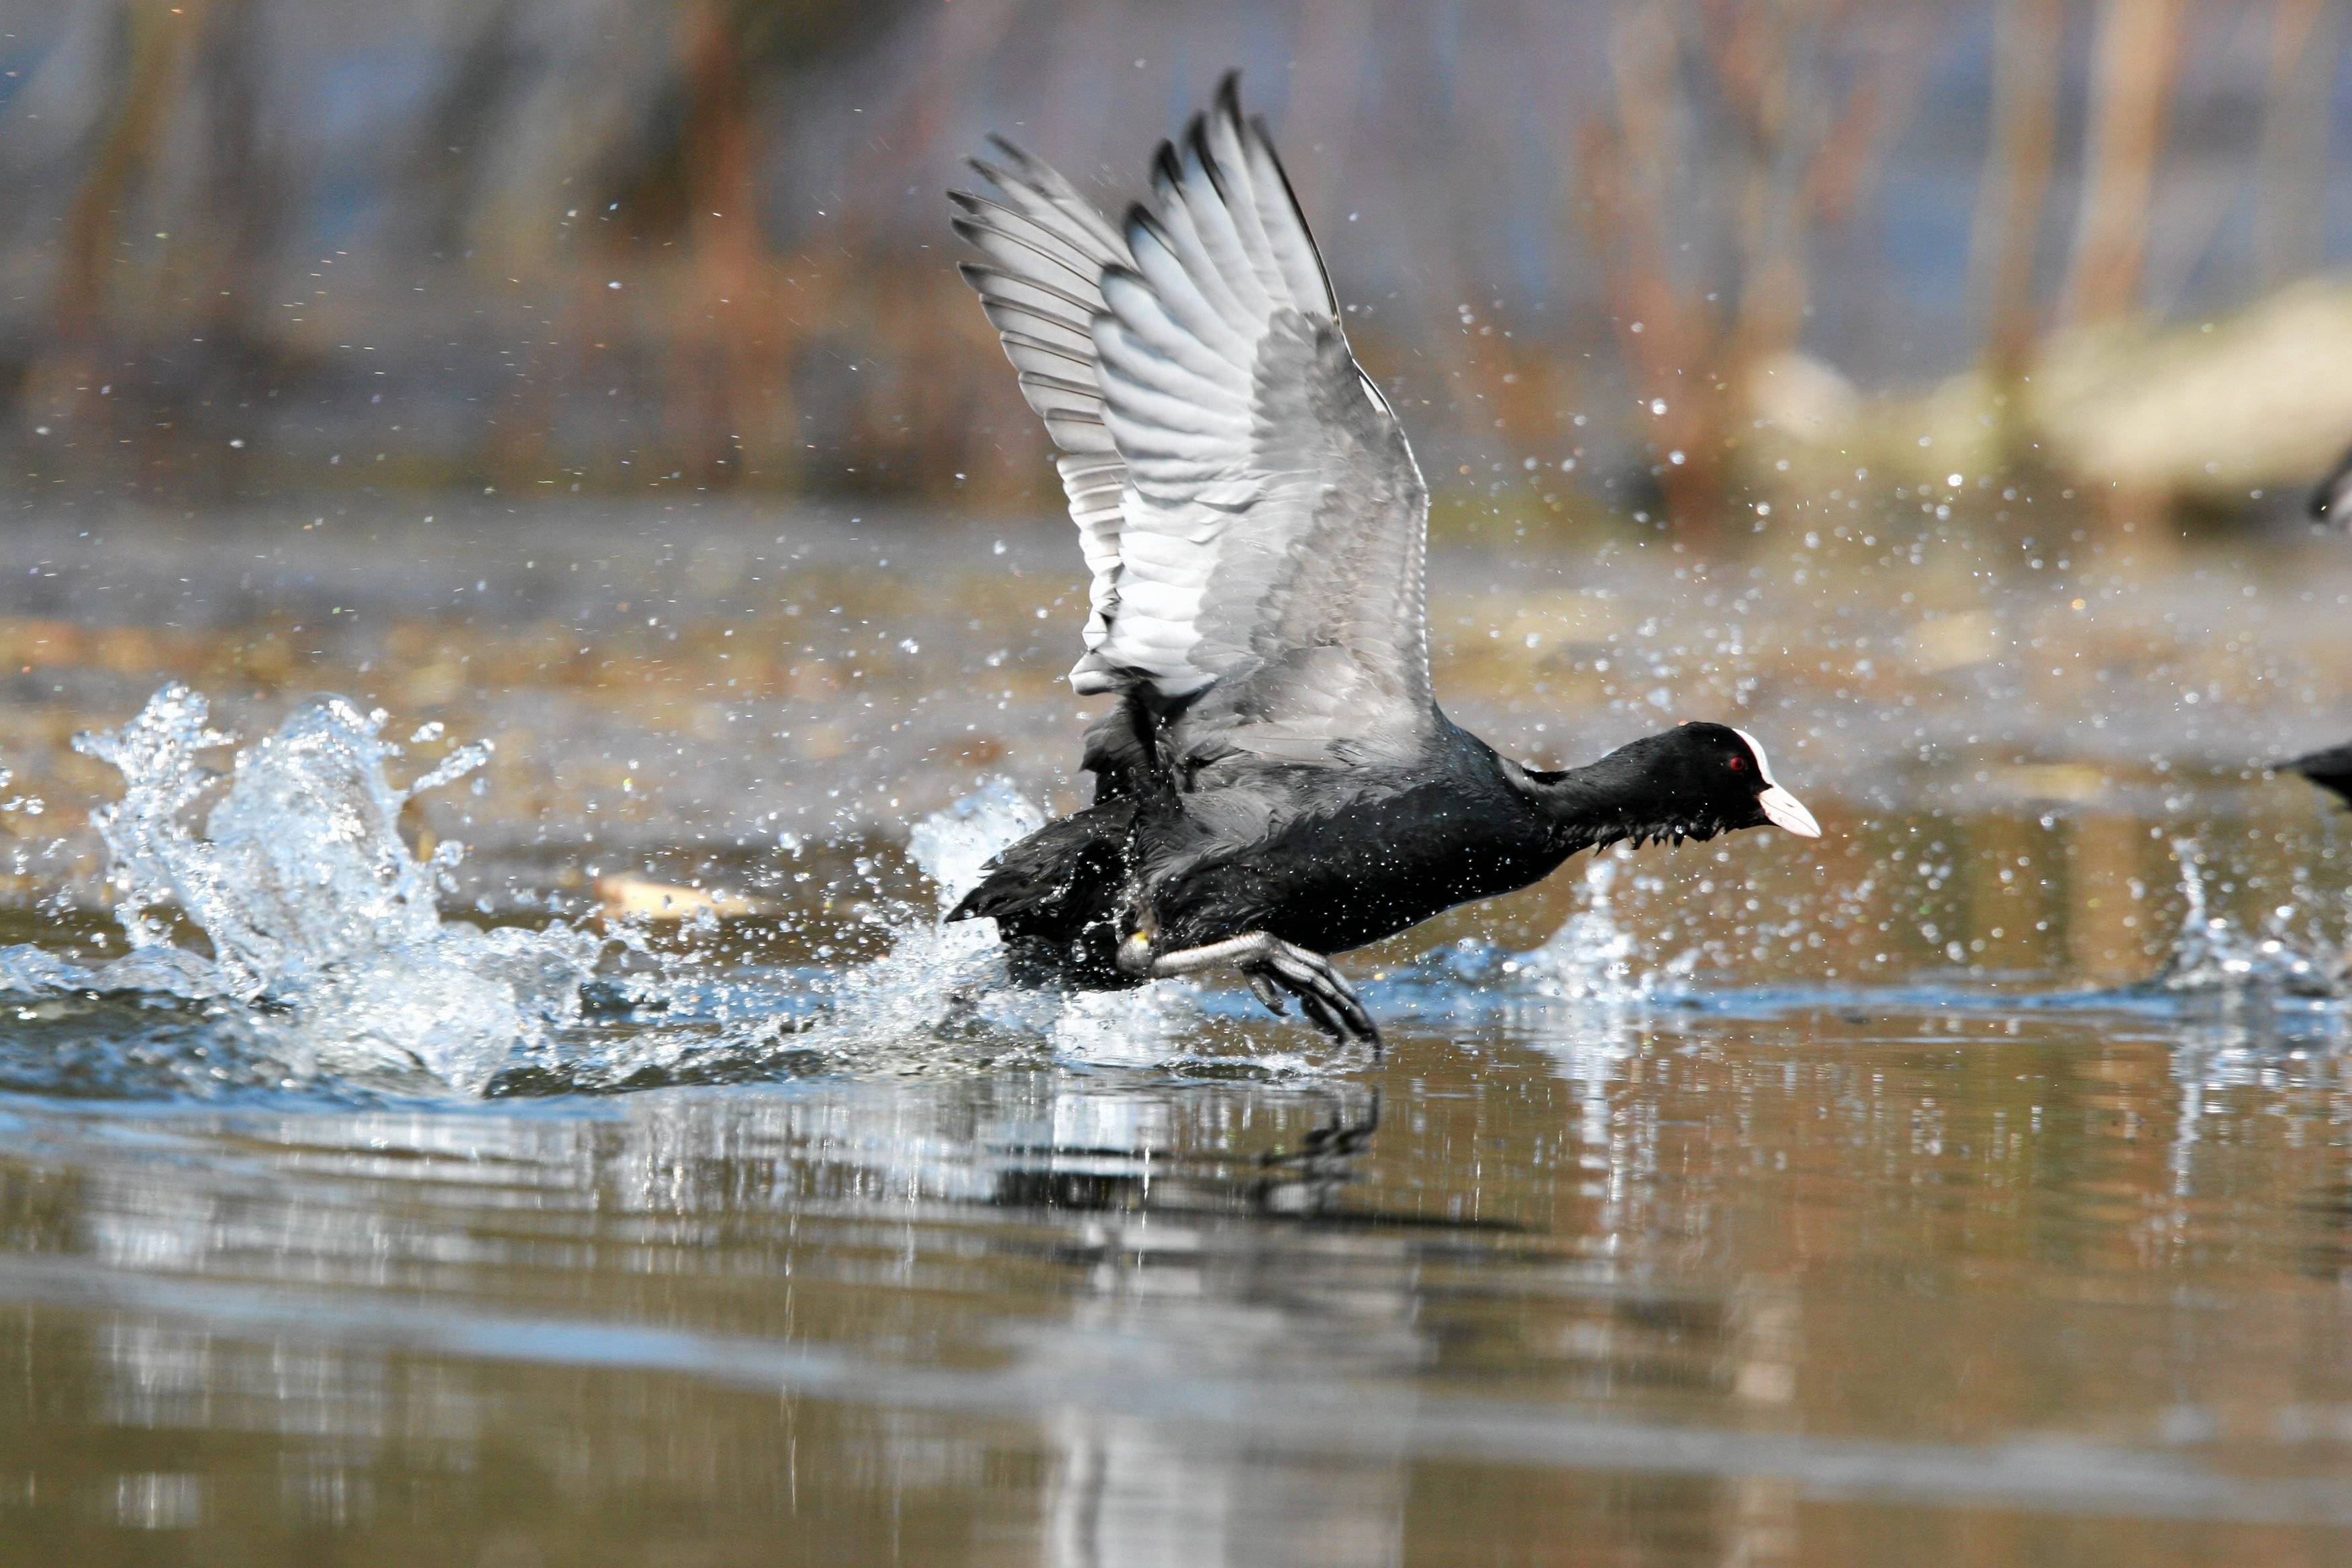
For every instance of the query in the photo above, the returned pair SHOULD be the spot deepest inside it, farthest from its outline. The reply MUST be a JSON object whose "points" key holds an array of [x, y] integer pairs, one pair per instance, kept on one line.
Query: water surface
{"points": [[1971, 1186]]}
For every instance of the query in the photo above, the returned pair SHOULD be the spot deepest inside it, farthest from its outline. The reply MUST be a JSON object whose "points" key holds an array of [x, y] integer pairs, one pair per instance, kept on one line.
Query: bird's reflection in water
{"points": [[1095, 1316], [1229, 1267], [1145, 1242], [1302, 1180]]}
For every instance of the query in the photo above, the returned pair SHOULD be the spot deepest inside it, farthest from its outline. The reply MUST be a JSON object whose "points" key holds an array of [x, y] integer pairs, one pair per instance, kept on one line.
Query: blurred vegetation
{"points": [[1657, 263]]}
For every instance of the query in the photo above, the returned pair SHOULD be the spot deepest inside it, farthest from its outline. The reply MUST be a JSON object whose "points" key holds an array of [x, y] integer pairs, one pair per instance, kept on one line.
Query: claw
{"points": [[1266, 991], [1327, 1000], [1320, 1015]]}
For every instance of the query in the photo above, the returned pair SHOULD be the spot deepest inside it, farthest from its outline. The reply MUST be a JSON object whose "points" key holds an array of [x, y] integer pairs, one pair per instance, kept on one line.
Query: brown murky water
{"points": [[1955, 1190]]}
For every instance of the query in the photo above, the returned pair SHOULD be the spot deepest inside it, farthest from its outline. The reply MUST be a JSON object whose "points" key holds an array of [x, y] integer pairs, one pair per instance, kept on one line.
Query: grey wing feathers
{"points": [[1247, 499], [1041, 287], [1272, 531]]}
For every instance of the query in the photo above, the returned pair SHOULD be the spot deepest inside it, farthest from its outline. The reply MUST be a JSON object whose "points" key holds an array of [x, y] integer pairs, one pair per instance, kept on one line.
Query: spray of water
{"points": [[312, 910], [278, 907], [940, 999], [950, 977], [1591, 958], [30, 804], [2212, 953], [939, 973]]}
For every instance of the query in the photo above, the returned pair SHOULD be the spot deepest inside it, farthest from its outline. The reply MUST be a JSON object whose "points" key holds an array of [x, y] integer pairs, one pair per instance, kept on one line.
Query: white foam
{"points": [[312, 900]]}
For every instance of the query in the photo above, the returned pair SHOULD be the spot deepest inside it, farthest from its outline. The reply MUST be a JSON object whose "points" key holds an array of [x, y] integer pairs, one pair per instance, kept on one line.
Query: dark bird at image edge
{"points": [[2331, 502], [2330, 769], [1276, 782]]}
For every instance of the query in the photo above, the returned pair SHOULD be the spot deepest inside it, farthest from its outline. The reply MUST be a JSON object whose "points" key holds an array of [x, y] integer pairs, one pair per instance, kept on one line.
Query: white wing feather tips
{"points": [[1293, 247], [1203, 339], [1011, 239], [1184, 362], [1216, 190], [1178, 233], [1041, 181], [1047, 247], [1009, 319], [1093, 485]]}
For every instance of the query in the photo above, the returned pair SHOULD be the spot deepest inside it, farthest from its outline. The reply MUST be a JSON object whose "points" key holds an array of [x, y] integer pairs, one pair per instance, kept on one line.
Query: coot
{"points": [[2332, 502], [2330, 769], [1275, 781]]}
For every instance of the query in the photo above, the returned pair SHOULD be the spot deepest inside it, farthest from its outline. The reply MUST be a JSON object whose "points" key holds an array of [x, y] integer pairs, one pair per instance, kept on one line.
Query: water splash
{"points": [[2212, 953], [317, 915], [953, 847], [939, 998], [283, 935], [944, 977], [30, 804], [17, 859], [1591, 958], [940, 974]]}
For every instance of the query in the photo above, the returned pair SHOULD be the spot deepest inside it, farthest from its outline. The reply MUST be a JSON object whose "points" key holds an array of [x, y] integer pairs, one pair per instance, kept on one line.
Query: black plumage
{"points": [[2331, 502], [2330, 769], [1347, 860]]}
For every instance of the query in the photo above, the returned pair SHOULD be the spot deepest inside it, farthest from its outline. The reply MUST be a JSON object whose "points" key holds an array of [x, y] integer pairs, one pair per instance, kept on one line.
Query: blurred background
{"points": [[1938, 384], [584, 388], [1628, 265]]}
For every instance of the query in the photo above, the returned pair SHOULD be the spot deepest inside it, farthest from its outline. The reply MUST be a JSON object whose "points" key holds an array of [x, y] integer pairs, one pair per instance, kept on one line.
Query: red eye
{"points": [[1737, 763]]}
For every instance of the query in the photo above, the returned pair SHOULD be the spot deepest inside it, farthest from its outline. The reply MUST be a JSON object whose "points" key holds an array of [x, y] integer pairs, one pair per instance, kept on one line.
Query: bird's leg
{"points": [[1271, 965]]}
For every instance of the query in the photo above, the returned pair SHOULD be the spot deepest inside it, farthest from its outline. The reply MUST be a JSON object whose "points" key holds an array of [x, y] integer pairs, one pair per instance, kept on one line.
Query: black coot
{"points": [[1275, 781], [2330, 769], [2332, 502]]}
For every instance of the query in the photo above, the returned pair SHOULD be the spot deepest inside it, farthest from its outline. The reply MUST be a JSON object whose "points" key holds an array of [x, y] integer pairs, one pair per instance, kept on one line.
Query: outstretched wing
{"points": [[1261, 570], [1041, 285], [1272, 521]]}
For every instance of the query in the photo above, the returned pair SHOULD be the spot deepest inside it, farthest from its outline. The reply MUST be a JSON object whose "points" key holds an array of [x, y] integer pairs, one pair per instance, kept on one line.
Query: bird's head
{"points": [[1716, 775], [1691, 782]]}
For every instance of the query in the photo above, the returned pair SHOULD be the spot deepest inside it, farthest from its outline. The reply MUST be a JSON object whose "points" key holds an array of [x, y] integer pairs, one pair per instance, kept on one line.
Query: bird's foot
{"points": [[1273, 968], [1330, 1003]]}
